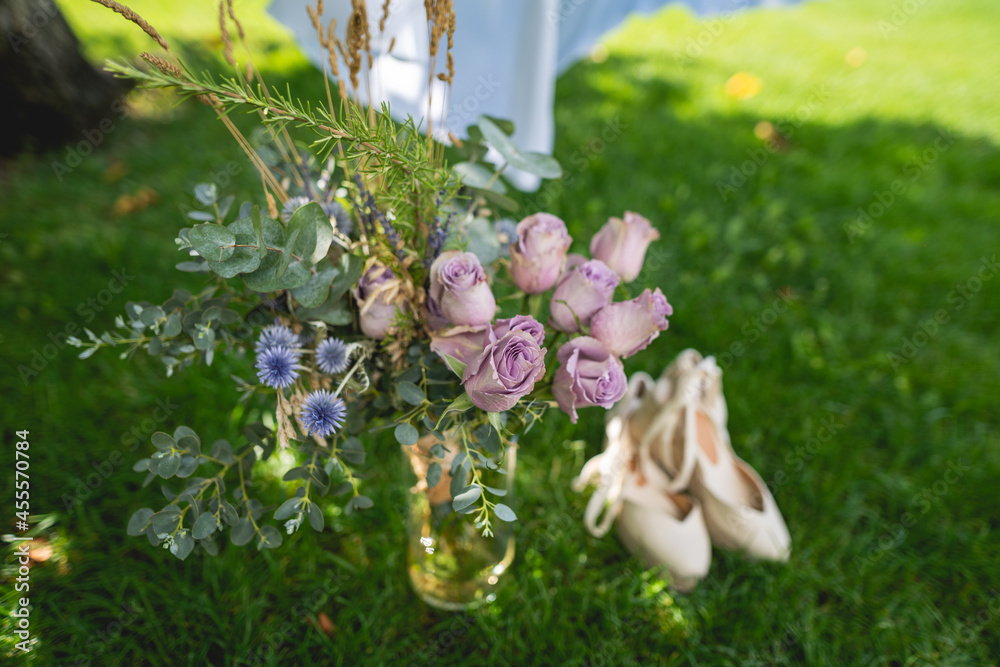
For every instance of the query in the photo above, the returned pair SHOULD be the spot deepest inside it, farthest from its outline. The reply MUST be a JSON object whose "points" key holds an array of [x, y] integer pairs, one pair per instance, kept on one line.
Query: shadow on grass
{"points": [[767, 275]]}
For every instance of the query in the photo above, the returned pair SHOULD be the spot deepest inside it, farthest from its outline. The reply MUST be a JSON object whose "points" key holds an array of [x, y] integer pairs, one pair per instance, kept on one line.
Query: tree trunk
{"points": [[49, 95]]}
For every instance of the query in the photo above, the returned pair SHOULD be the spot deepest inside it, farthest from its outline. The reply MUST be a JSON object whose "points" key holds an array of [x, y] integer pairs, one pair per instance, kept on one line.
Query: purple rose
{"points": [[505, 371], [627, 327], [459, 291], [462, 342], [588, 375], [538, 256], [621, 244], [376, 296], [525, 323], [581, 293]]}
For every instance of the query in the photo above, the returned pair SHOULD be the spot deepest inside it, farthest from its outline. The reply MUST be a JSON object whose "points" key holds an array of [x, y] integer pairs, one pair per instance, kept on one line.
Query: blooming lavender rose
{"points": [[505, 371], [537, 259], [372, 295], [627, 327], [581, 293], [459, 291], [622, 244], [588, 375], [525, 323], [464, 343]]}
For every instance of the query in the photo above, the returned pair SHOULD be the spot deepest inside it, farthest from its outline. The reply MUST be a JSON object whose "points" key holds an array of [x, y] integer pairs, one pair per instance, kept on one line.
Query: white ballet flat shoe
{"points": [[666, 530], [739, 510], [655, 522]]}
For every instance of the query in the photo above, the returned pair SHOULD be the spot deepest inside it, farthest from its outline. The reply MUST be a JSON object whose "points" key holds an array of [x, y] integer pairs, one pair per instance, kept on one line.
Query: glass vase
{"points": [[452, 566]]}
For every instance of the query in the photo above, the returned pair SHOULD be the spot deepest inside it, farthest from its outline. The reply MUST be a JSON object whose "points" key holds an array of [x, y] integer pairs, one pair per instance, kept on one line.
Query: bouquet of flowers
{"points": [[375, 286]]}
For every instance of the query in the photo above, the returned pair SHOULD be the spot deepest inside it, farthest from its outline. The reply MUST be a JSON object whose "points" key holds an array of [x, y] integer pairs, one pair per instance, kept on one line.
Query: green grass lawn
{"points": [[869, 404]]}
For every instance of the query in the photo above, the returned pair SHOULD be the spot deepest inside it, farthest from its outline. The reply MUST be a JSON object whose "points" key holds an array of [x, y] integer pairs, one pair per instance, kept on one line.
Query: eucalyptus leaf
{"points": [[173, 325], [533, 163], [315, 515], [194, 266], [433, 474], [204, 526], [363, 502], [222, 451], [206, 193], [468, 496], [213, 242], [406, 434], [332, 311], [287, 509], [166, 520], [151, 315], [314, 293], [163, 441], [169, 465], [183, 545], [411, 393], [188, 465], [138, 521], [241, 532], [504, 513], [351, 267], [477, 176], [315, 233]]}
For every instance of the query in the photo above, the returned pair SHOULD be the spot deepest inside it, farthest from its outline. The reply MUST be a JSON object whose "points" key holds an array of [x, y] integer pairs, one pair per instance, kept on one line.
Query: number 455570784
{"points": [[22, 463]]}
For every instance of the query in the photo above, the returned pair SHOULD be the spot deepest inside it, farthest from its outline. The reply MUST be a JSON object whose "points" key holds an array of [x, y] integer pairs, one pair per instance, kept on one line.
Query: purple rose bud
{"points": [[377, 301], [525, 323], [588, 375], [581, 293], [459, 291], [464, 343], [627, 327], [537, 259], [621, 244], [505, 371]]}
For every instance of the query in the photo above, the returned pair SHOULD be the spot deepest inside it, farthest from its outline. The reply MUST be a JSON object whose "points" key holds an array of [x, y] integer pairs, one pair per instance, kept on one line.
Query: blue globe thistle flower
{"points": [[277, 366], [291, 206], [331, 356], [507, 235], [277, 335], [322, 414], [338, 214]]}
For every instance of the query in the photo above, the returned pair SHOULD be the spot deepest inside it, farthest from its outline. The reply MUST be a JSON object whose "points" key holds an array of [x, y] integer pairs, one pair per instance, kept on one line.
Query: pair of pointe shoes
{"points": [[669, 475]]}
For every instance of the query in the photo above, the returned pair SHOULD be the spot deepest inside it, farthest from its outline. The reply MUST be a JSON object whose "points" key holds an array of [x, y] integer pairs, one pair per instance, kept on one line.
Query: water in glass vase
{"points": [[451, 565]]}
